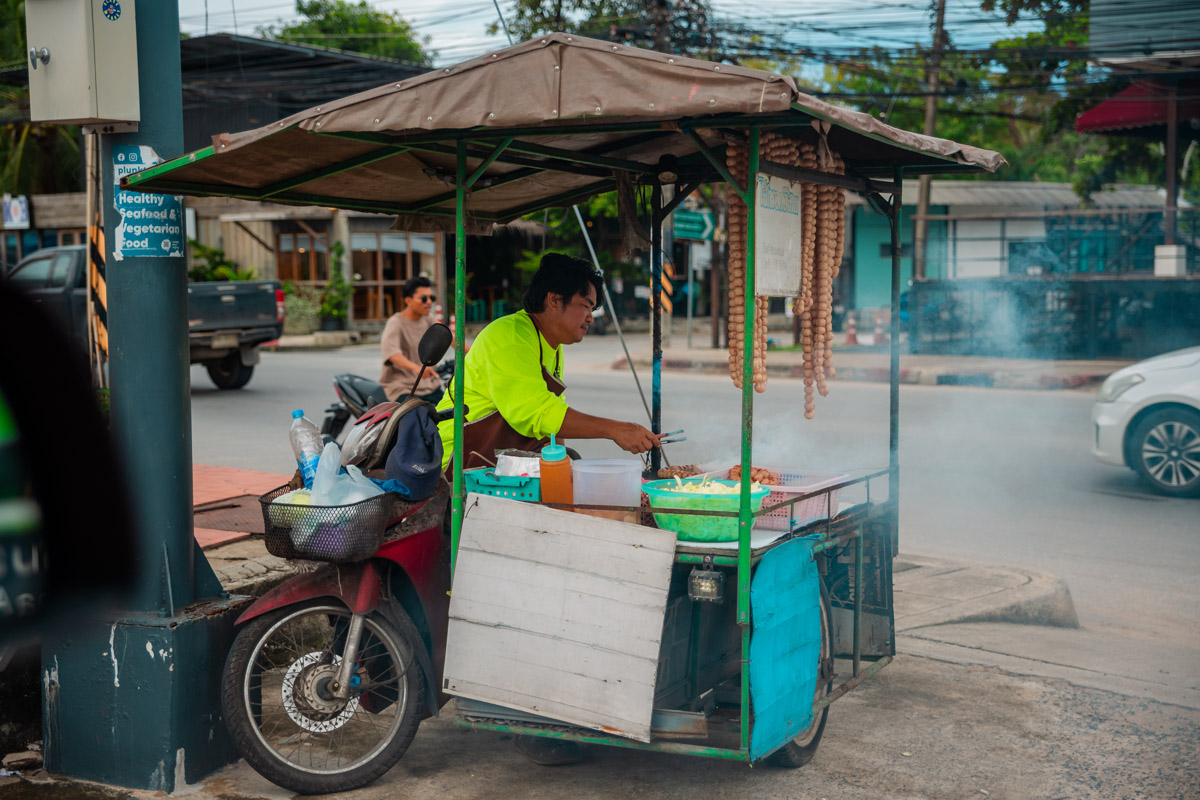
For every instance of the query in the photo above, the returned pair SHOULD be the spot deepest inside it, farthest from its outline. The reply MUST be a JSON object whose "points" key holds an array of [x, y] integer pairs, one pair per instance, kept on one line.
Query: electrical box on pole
{"points": [[83, 63]]}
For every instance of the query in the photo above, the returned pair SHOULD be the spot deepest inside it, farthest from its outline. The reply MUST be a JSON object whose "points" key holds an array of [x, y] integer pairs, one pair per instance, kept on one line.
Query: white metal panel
{"points": [[116, 50], [64, 87], [558, 614]]}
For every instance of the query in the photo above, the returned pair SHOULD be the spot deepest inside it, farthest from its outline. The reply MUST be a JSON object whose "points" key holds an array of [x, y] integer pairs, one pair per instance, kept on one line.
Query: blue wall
{"points": [[872, 259]]}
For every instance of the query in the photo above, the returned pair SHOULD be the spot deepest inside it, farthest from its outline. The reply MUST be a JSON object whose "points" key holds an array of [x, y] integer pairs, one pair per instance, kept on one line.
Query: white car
{"points": [[1147, 417]]}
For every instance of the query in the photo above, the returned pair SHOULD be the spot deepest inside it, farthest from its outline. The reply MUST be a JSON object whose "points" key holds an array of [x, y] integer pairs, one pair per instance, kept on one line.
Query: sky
{"points": [[457, 28]]}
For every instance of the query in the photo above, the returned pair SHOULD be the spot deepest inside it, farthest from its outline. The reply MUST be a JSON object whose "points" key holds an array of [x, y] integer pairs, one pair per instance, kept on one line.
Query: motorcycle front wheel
{"points": [[287, 723]]}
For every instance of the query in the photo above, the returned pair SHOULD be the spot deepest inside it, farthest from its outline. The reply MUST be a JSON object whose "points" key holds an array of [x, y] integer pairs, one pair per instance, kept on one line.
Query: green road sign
{"points": [[694, 225]]}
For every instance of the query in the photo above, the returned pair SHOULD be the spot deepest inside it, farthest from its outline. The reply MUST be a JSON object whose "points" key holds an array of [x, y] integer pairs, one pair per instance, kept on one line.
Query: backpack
{"points": [[402, 440]]}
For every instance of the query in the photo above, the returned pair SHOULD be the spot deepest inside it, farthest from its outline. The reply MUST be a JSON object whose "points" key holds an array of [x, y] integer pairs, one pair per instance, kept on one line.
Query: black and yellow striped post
{"points": [[666, 289], [97, 301]]}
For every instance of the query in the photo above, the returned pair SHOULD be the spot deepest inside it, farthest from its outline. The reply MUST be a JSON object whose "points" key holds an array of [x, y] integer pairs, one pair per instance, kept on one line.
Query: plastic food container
{"points": [[486, 481], [696, 528], [608, 482]]}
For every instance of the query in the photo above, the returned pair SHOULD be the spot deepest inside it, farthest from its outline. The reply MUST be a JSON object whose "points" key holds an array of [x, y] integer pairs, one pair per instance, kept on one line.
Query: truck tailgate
{"points": [[229, 306]]}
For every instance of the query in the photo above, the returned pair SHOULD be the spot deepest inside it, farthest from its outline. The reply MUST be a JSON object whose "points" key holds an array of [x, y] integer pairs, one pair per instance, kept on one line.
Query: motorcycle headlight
{"points": [[1115, 386]]}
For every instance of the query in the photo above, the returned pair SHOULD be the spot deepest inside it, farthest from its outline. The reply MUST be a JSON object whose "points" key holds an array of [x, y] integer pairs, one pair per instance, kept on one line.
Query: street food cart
{"points": [[745, 672]]}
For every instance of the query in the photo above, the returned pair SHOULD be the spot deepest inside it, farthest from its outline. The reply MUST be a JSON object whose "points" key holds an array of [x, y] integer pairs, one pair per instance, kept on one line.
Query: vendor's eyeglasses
{"points": [[428, 299]]}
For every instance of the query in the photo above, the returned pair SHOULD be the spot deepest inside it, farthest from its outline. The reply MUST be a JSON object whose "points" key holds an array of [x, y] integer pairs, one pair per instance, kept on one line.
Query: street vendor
{"points": [[514, 373]]}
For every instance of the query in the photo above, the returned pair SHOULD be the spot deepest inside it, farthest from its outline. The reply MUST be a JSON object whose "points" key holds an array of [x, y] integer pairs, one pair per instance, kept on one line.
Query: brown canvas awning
{"points": [[543, 123]]}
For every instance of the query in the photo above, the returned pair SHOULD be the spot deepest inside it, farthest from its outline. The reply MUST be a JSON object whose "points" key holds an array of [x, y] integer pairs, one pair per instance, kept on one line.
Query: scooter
{"points": [[332, 671], [356, 394]]}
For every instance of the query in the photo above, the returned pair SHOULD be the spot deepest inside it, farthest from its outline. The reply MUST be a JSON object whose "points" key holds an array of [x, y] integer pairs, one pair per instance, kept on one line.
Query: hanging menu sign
{"points": [[777, 237], [151, 224]]}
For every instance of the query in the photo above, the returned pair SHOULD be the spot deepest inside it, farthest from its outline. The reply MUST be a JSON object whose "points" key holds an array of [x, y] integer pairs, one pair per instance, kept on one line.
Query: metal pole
{"points": [[690, 291], [1172, 163], [150, 374], [656, 320], [933, 79], [745, 520], [460, 352], [894, 381]]}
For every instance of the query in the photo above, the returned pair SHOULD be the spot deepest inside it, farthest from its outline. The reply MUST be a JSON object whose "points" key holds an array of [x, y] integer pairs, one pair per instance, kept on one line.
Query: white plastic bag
{"points": [[332, 487]]}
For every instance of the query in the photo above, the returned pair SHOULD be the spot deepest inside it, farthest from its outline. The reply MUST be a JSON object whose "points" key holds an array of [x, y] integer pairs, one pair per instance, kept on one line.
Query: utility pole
{"points": [[131, 695], [932, 83]]}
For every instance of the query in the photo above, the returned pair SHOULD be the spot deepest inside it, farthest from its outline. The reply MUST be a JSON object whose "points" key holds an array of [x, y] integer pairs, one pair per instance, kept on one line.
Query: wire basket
{"points": [[338, 534], [782, 517]]}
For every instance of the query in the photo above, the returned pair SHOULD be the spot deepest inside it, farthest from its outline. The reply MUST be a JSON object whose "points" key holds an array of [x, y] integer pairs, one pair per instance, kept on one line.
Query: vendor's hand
{"points": [[633, 438]]}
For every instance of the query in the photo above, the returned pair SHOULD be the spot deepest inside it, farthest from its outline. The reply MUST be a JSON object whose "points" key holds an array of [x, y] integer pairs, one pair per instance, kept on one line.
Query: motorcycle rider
{"points": [[401, 335]]}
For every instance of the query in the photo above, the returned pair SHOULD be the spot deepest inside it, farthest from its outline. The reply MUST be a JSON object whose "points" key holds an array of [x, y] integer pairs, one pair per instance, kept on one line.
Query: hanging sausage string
{"points": [[822, 219]]}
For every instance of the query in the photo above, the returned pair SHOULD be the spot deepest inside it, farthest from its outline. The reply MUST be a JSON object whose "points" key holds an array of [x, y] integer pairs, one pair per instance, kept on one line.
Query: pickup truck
{"points": [[226, 321]]}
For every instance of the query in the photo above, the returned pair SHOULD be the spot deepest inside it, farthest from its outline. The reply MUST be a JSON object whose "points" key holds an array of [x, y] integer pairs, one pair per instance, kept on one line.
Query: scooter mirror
{"points": [[434, 344]]}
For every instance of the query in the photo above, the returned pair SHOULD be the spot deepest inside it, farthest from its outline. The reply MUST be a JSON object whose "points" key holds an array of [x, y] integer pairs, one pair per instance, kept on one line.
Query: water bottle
{"points": [[306, 444]]}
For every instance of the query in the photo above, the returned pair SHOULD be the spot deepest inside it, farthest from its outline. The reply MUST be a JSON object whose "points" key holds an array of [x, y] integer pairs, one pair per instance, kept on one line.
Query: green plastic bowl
{"points": [[695, 527]]}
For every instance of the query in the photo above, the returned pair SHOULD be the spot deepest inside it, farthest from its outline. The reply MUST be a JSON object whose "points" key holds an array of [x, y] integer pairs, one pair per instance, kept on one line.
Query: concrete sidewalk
{"points": [[872, 365], [854, 363]]}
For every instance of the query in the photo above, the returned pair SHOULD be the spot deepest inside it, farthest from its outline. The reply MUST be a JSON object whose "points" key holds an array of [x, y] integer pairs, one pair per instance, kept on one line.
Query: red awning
{"points": [[1140, 105]]}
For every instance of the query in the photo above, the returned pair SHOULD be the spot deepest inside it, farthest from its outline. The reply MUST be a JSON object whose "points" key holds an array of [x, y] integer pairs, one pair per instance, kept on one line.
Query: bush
{"points": [[302, 305], [216, 266]]}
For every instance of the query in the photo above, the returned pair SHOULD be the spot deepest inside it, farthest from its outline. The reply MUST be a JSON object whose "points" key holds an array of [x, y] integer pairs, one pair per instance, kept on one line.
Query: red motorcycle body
{"points": [[412, 571]]}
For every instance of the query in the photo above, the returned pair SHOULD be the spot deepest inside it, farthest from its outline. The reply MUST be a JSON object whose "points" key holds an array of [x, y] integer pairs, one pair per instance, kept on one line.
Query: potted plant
{"points": [[335, 299]]}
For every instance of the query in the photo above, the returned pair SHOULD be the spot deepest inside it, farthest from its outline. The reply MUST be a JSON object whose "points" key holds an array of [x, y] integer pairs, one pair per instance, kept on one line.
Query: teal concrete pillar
{"points": [[132, 698]]}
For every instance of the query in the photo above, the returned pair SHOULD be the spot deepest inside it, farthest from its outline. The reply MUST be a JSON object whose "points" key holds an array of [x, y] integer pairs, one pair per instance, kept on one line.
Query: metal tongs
{"points": [[665, 438]]}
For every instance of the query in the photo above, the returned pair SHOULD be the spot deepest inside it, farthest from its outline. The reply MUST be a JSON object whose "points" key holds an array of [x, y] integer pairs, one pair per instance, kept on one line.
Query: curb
{"points": [[256, 576], [911, 376], [987, 594]]}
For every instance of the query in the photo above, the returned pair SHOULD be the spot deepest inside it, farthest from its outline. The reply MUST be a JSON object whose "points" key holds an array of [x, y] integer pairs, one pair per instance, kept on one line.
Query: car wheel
{"points": [[229, 372], [1164, 449]]}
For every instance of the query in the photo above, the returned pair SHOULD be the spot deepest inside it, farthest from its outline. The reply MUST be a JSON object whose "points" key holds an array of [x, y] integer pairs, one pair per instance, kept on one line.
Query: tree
{"points": [[357, 27], [35, 157], [678, 26]]}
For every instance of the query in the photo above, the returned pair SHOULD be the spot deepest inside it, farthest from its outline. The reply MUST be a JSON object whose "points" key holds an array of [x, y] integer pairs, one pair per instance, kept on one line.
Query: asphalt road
{"points": [[989, 476]]}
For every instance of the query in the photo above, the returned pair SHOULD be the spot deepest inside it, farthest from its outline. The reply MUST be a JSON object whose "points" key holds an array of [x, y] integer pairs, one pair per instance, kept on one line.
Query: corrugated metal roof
{"points": [[1027, 195], [1030, 195]]}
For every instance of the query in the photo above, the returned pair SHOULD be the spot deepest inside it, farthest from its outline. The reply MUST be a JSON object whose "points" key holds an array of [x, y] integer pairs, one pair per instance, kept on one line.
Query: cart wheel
{"points": [[799, 751]]}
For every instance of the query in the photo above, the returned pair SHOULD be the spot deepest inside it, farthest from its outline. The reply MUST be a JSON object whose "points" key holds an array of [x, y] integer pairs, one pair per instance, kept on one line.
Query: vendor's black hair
{"points": [[412, 284], [563, 275]]}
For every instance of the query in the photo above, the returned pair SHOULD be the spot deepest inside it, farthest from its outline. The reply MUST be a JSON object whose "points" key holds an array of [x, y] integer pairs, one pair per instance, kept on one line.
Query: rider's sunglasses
{"points": [[426, 299]]}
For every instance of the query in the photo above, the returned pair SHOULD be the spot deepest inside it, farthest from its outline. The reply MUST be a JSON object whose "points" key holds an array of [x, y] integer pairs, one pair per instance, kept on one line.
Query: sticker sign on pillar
{"points": [[151, 224]]}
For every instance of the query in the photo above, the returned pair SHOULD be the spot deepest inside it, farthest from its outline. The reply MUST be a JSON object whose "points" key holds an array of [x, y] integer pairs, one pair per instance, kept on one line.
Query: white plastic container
{"points": [[608, 482]]}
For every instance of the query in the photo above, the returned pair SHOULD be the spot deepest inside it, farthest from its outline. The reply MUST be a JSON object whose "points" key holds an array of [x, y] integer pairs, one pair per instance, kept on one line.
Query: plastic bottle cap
{"points": [[553, 452], [298, 413]]}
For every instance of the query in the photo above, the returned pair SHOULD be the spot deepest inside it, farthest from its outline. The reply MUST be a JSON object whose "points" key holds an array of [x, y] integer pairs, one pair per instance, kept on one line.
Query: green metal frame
{"points": [[745, 514], [509, 146]]}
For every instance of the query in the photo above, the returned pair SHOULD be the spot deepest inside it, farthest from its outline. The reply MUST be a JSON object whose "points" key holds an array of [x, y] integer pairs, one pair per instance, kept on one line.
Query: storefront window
{"points": [[302, 257], [382, 262]]}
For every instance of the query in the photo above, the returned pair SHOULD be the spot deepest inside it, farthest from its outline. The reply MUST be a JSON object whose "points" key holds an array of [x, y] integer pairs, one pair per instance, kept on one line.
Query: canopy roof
{"points": [[1141, 105], [543, 123]]}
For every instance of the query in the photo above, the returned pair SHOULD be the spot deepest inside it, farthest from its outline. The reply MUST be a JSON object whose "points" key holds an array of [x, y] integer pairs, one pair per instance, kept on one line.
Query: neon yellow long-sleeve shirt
{"points": [[502, 374]]}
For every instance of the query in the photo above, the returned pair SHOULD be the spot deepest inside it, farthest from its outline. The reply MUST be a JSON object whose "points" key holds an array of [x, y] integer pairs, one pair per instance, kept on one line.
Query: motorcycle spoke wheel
{"points": [[285, 716]]}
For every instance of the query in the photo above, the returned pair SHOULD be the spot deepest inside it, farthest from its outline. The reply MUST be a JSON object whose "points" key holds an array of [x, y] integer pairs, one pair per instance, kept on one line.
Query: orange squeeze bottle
{"points": [[556, 474]]}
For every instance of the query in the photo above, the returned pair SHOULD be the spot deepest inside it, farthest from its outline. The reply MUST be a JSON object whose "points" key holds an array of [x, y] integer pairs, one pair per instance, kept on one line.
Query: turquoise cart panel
{"points": [[785, 645]]}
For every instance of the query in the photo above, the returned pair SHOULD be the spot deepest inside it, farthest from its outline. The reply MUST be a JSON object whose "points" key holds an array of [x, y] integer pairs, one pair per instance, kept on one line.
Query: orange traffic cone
{"points": [[438, 314], [881, 336], [851, 331], [452, 328]]}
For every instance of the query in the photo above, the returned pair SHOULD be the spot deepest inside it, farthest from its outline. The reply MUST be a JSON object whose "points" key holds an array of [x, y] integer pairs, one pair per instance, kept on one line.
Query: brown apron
{"points": [[483, 437]]}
